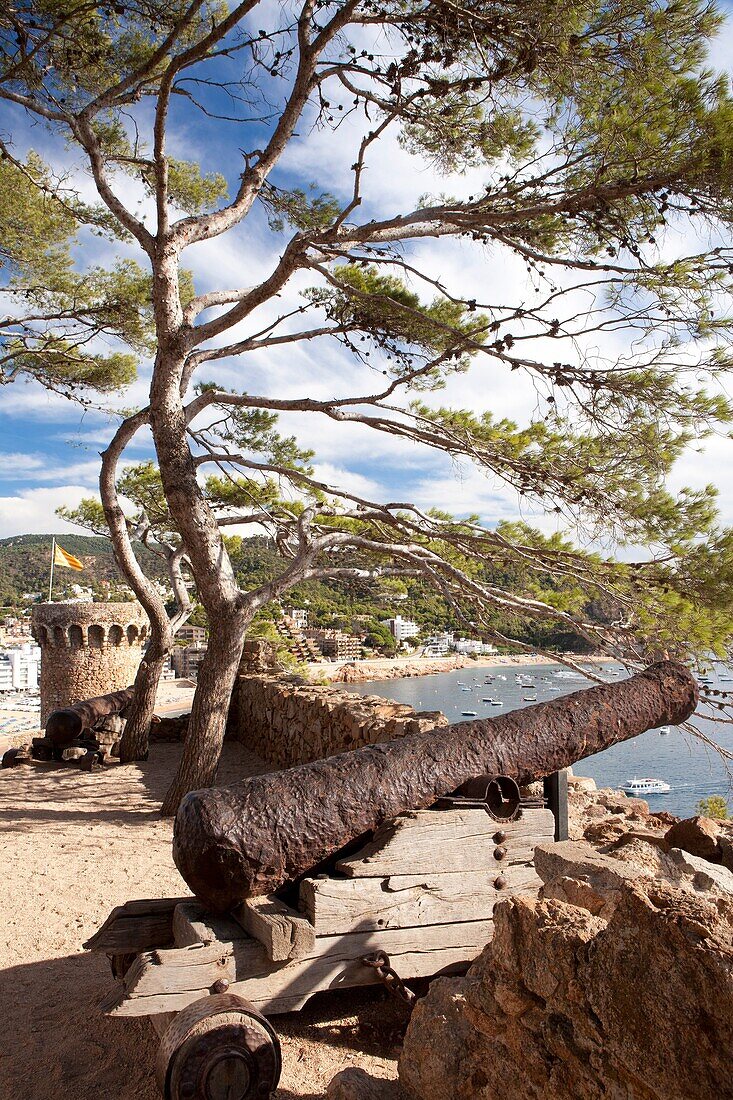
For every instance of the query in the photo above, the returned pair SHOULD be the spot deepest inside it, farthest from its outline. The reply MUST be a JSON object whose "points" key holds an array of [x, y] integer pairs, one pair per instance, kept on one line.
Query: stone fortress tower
{"points": [[87, 649]]}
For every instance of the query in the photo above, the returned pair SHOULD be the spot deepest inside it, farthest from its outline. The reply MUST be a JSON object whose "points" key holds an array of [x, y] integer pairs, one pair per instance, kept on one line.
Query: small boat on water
{"points": [[529, 698], [640, 787], [497, 702], [664, 730], [470, 713]]}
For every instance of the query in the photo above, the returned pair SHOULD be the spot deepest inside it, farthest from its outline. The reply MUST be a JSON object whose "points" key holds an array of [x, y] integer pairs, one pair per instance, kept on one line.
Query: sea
{"points": [[691, 767]]}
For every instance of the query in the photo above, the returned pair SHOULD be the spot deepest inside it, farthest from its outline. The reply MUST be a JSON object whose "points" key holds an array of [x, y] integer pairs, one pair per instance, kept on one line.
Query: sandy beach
{"points": [[74, 846], [394, 668]]}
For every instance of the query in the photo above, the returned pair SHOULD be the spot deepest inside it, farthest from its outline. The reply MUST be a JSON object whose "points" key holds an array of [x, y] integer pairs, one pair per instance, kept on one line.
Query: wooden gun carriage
{"points": [[416, 900]]}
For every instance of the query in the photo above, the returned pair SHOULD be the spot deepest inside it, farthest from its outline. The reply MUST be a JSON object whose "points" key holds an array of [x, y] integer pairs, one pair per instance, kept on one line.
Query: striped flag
{"points": [[62, 557]]}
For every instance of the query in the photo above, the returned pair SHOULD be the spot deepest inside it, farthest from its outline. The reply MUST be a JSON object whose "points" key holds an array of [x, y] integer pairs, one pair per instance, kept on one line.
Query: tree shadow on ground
{"points": [[52, 794]]}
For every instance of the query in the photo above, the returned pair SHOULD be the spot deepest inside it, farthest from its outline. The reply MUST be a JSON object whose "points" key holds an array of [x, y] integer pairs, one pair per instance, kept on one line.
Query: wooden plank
{"points": [[457, 840], [181, 968], [284, 933], [406, 901], [193, 924], [137, 925], [169, 985]]}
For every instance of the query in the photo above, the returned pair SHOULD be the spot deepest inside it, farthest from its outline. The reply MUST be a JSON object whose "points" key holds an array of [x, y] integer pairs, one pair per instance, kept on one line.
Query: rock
{"points": [[726, 851], [705, 876], [698, 836], [631, 836], [13, 757], [73, 753], [574, 872], [564, 1004], [616, 802], [433, 1068], [650, 857], [357, 1084], [581, 783]]}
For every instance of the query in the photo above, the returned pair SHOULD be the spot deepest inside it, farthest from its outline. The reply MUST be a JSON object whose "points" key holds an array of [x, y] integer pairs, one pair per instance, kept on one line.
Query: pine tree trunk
{"points": [[135, 739], [210, 710]]}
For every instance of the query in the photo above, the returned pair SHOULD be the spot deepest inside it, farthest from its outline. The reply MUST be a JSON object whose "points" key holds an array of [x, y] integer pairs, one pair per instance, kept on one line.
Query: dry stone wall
{"points": [[287, 722], [87, 649]]}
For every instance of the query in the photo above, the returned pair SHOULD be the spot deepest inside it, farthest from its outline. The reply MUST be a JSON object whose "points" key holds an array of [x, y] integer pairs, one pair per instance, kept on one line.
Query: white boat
{"points": [[497, 703], [529, 698], [663, 730], [470, 713], [640, 787]]}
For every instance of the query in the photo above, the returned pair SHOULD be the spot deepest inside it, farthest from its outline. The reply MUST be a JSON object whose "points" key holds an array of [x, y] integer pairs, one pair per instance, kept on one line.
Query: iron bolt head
{"points": [[499, 882], [499, 853], [220, 986], [499, 837]]}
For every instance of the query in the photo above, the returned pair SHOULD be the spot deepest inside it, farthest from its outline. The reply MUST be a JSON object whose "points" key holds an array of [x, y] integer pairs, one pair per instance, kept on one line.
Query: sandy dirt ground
{"points": [[74, 845]]}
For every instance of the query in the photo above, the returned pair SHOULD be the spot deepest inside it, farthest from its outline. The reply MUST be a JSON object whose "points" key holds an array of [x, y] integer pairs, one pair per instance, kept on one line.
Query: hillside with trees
{"points": [[353, 603]]}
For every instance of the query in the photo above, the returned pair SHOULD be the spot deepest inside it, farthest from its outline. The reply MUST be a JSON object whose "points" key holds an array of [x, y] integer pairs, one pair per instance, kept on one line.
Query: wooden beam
{"points": [[166, 981], [284, 933], [407, 901], [459, 840], [138, 925]]}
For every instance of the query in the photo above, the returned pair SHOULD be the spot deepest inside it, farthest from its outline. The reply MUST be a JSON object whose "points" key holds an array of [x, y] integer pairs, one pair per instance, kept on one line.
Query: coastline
{"points": [[397, 668]]}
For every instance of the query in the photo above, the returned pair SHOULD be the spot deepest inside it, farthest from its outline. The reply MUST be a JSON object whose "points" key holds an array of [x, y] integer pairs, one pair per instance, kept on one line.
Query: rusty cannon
{"points": [[66, 725], [248, 839], [84, 732]]}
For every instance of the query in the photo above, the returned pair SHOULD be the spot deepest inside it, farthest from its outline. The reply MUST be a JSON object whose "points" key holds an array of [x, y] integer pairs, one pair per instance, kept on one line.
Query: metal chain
{"points": [[379, 962]]}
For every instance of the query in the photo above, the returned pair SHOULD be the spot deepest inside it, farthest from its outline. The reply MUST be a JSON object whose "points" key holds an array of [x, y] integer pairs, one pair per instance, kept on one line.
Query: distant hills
{"points": [[25, 562], [345, 603]]}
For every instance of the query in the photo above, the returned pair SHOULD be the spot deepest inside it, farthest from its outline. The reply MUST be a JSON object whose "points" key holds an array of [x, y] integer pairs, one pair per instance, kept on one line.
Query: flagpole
{"points": [[53, 556]]}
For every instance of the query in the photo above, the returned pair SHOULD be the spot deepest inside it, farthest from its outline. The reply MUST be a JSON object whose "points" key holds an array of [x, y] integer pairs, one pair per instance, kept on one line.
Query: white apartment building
{"points": [[472, 645], [20, 667], [438, 645], [402, 629], [298, 616]]}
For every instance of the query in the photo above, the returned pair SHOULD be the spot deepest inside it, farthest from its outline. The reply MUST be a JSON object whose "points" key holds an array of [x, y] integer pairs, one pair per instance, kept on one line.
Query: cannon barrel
{"points": [[248, 839], [65, 725]]}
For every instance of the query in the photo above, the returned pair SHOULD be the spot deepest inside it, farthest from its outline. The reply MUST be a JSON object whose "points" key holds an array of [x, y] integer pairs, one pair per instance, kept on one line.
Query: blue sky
{"points": [[49, 448]]}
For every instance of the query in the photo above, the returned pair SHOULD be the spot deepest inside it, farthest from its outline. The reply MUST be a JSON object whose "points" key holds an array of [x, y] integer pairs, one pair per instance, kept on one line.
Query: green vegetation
{"points": [[350, 604], [714, 806]]}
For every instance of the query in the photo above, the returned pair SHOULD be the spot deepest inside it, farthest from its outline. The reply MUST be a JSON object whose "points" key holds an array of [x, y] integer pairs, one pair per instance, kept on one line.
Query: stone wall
{"points": [[87, 649], [287, 722]]}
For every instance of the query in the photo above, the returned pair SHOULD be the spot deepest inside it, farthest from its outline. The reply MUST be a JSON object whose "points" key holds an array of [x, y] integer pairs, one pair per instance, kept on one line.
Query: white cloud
{"points": [[342, 478], [32, 511], [40, 467]]}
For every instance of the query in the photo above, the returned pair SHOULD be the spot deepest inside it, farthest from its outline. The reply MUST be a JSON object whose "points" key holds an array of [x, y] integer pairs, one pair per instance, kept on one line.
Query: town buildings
{"points": [[20, 667], [403, 629], [336, 645]]}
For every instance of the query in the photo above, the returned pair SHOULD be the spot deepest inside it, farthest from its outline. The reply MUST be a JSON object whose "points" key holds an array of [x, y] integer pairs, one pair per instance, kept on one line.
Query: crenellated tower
{"points": [[87, 649]]}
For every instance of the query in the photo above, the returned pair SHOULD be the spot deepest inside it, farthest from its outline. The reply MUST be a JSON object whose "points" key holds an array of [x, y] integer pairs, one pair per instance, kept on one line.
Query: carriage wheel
{"points": [[218, 1048]]}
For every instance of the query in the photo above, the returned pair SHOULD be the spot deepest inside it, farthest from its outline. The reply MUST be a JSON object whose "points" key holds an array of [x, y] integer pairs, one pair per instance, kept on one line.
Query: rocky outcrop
{"points": [[616, 983]]}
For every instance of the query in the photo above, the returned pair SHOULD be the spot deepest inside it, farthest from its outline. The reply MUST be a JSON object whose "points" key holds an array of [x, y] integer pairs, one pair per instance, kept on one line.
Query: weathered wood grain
{"points": [[167, 981], [192, 924], [284, 933], [138, 925], [418, 842], [336, 906]]}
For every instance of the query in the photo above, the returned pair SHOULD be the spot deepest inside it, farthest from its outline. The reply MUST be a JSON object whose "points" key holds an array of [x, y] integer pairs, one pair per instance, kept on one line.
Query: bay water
{"points": [[692, 768]]}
